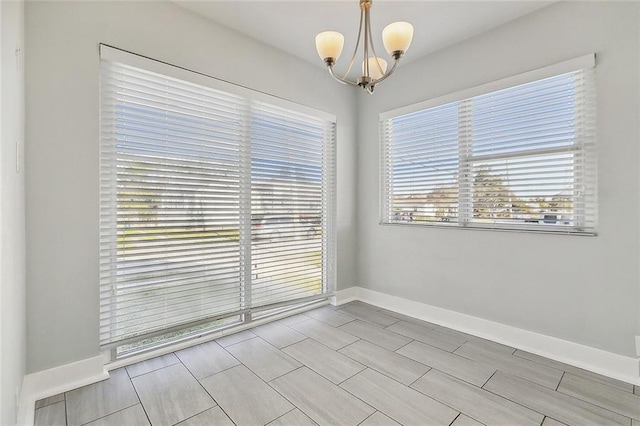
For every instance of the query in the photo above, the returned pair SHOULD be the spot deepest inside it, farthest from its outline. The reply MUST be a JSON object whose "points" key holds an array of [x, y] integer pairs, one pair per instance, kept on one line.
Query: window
{"points": [[216, 204], [516, 154]]}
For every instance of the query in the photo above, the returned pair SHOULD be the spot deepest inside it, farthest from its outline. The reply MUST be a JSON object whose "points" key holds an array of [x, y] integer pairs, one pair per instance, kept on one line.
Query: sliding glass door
{"points": [[216, 205]]}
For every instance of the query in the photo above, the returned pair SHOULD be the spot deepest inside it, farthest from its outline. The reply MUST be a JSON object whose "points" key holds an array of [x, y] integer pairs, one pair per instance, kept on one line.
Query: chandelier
{"points": [[396, 38]]}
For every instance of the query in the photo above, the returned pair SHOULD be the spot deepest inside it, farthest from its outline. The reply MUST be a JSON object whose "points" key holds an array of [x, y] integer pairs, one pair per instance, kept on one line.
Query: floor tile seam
{"points": [[369, 341], [285, 397], [197, 414], [379, 409], [435, 327], [198, 379], [388, 377], [478, 387], [66, 414], [365, 402], [264, 341], [155, 369], [382, 329], [317, 372], [287, 372], [294, 343], [320, 343], [369, 321], [334, 326], [293, 409], [376, 324], [447, 405], [525, 360], [217, 372], [248, 368], [199, 384], [331, 349], [117, 411], [545, 414], [237, 343], [456, 418], [214, 400], [298, 322], [421, 376], [443, 349], [373, 368], [596, 405], [560, 381], [315, 340], [459, 378], [433, 346], [496, 366], [578, 375], [367, 418], [353, 375], [405, 345], [517, 403]]}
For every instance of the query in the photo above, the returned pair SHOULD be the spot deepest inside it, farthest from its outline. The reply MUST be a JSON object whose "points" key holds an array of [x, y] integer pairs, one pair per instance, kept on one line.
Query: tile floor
{"points": [[351, 365]]}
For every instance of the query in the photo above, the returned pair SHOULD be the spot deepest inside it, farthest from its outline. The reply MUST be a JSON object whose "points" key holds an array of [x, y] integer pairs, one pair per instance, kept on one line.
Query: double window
{"points": [[515, 154], [216, 204]]}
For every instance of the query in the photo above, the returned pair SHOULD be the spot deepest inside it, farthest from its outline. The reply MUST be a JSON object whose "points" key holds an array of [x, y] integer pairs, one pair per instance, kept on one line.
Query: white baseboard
{"points": [[57, 380], [91, 370], [596, 360]]}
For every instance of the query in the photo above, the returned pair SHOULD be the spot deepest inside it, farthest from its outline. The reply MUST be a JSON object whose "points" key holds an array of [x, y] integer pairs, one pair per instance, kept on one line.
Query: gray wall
{"points": [[576, 288], [582, 289], [12, 221], [62, 131]]}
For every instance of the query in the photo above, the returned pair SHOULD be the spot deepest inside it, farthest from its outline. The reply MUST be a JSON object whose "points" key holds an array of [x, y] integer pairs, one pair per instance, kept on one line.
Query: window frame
{"points": [[466, 158]]}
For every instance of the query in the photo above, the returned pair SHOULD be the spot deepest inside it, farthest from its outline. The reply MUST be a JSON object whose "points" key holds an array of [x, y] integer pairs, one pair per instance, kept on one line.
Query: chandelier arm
{"points": [[355, 51], [340, 79], [367, 37], [375, 55], [395, 65]]}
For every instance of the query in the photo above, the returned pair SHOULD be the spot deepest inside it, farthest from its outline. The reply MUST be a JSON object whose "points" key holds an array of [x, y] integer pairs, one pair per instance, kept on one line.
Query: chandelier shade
{"points": [[329, 44], [396, 38]]}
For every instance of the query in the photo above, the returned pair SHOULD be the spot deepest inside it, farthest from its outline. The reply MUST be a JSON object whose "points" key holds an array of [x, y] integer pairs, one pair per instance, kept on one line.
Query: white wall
{"points": [[62, 131], [581, 289], [12, 221]]}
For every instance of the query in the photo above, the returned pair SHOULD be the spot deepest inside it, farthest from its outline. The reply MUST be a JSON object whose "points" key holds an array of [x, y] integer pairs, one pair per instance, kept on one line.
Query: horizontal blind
{"points": [[289, 203], [421, 165], [186, 171], [531, 145], [170, 202], [518, 158]]}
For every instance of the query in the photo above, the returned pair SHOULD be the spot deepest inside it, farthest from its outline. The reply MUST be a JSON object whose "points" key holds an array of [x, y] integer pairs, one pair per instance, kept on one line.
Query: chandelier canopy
{"points": [[396, 38]]}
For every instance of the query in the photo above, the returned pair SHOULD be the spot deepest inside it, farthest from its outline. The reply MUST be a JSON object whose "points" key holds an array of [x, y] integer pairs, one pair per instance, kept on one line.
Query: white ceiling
{"points": [[292, 25]]}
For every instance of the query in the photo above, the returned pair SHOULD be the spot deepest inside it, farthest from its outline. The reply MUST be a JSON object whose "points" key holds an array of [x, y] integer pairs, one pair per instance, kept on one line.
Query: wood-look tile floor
{"points": [[351, 365]]}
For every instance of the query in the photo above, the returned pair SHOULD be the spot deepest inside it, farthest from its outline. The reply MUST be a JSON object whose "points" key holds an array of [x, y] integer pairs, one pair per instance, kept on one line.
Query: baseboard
{"points": [[596, 360], [345, 296], [91, 370], [57, 380]]}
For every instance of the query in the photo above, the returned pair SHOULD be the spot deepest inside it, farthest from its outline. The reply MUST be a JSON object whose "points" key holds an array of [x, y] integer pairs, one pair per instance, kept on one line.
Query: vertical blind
{"points": [[214, 204], [521, 157]]}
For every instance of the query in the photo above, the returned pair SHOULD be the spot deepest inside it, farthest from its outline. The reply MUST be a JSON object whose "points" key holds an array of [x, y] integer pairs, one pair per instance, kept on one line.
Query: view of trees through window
{"points": [[493, 200]]}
